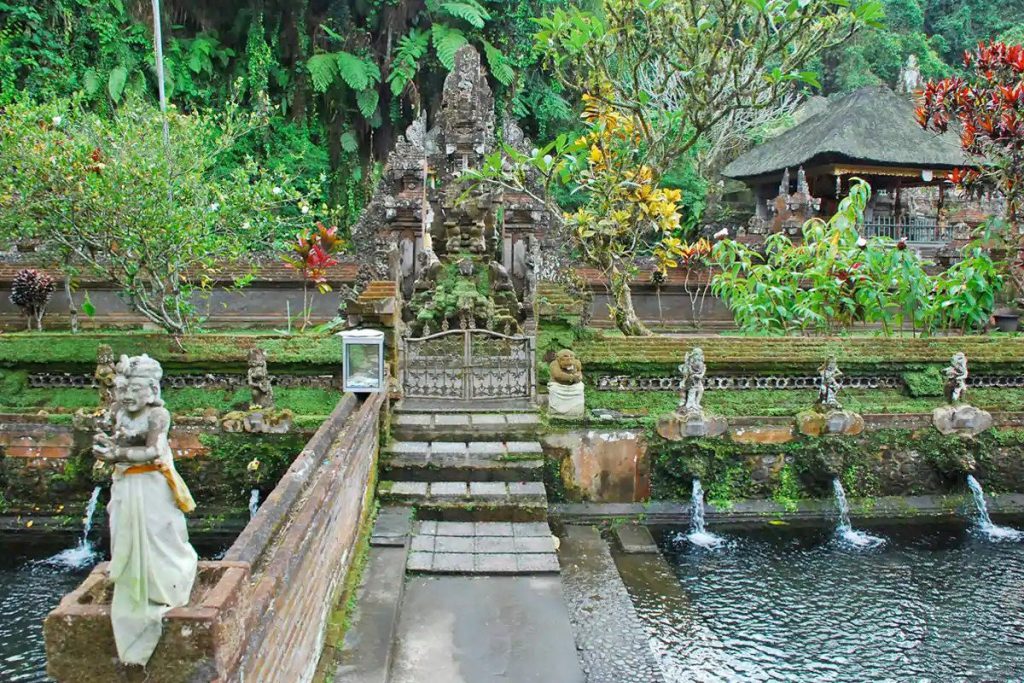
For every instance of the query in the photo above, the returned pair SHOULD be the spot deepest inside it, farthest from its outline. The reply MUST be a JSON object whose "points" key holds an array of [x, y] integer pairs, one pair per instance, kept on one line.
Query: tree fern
{"points": [[406, 61], [498, 63], [367, 101], [447, 42], [323, 69], [358, 73], [469, 11]]}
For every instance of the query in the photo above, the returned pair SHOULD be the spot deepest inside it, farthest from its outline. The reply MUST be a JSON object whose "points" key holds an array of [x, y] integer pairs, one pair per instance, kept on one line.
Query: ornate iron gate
{"points": [[468, 365]]}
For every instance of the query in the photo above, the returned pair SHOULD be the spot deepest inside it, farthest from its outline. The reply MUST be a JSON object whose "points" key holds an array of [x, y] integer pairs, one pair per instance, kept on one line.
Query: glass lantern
{"points": [[362, 353]]}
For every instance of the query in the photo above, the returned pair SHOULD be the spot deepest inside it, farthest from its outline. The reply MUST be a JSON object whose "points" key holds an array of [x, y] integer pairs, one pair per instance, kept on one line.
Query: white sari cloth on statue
{"points": [[152, 566]]}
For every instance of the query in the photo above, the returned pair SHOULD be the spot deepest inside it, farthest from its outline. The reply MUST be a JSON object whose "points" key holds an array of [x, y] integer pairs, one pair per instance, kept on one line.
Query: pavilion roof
{"points": [[871, 125]]}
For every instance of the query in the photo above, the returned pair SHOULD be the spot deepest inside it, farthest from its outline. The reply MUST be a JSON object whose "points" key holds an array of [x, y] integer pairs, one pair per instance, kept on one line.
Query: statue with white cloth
{"points": [[152, 566]]}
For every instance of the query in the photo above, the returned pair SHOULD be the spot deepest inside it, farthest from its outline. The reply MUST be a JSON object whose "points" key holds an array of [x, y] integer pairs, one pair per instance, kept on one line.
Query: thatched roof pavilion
{"points": [[870, 133]]}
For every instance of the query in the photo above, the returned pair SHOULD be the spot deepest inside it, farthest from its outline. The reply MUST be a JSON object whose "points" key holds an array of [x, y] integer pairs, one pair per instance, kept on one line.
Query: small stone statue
{"points": [[828, 384], [566, 395], [152, 565], [693, 371], [258, 379], [566, 368], [104, 376], [501, 281], [956, 378]]}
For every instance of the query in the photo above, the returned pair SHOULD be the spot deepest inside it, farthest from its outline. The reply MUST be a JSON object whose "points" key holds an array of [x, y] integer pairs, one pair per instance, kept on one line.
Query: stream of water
{"points": [[699, 535], [254, 502], [844, 529], [984, 522]]}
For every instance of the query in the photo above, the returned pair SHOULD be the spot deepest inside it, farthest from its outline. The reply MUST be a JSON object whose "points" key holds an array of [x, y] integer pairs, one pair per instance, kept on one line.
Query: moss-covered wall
{"points": [[66, 352], [221, 471], [876, 463]]}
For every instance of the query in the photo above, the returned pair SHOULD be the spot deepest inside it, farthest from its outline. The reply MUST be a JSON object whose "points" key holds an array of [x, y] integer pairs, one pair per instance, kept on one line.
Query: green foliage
{"points": [[231, 455], [108, 195], [787, 492], [833, 279], [927, 382]]}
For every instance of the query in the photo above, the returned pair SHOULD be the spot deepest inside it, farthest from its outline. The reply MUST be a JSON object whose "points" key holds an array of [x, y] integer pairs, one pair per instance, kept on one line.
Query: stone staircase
{"points": [[475, 481]]}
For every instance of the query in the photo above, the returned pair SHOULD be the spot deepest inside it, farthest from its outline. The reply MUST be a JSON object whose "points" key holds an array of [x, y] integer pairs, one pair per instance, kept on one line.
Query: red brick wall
{"points": [[298, 571]]}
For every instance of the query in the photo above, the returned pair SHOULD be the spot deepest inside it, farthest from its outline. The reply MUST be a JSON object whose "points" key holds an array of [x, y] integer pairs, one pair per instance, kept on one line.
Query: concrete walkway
{"points": [[511, 629]]}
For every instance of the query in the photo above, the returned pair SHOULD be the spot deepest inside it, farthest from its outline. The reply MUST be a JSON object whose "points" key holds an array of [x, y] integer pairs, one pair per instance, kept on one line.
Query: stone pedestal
{"points": [[962, 419], [679, 426], [566, 400], [845, 422]]}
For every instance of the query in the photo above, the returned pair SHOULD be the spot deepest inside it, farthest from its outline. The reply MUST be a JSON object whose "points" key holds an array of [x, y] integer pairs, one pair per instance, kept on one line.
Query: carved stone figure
{"points": [[258, 379], [566, 368], [565, 390], [152, 566], [910, 75], [693, 370], [105, 375], [828, 384], [500, 280], [956, 378]]}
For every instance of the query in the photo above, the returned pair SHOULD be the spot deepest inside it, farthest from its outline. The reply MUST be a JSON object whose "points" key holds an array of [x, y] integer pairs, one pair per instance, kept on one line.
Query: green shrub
{"points": [[927, 382]]}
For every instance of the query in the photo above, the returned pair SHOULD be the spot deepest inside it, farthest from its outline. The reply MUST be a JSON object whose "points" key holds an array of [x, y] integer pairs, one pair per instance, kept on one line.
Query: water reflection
{"points": [[936, 603]]}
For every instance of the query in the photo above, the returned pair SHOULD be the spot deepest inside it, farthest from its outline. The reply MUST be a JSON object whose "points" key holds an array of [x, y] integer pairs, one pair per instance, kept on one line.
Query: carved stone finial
{"points": [[956, 378], [566, 368], [828, 384], [693, 370]]}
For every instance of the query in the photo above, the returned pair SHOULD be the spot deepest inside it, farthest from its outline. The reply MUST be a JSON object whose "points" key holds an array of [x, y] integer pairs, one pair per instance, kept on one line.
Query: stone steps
{"points": [[482, 548], [481, 461], [469, 500], [467, 427]]}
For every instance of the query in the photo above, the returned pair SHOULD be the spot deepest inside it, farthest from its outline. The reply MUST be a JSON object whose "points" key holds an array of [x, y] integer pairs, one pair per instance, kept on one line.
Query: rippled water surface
{"points": [[28, 591], [30, 587], [935, 603]]}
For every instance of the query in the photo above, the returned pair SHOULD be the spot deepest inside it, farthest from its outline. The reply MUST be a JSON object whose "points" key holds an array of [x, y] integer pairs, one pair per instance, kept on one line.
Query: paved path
{"points": [[484, 629], [613, 644]]}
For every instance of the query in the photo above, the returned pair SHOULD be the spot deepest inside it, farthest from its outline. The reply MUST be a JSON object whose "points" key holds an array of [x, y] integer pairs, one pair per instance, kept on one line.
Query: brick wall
{"points": [[295, 581], [261, 613]]}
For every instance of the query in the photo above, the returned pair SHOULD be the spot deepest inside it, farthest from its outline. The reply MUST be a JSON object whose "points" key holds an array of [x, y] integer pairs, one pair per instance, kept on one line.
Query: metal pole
{"points": [[158, 47]]}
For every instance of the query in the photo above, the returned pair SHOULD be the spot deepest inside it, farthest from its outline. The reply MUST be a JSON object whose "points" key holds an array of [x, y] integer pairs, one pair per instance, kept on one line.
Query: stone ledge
{"points": [[198, 639]]}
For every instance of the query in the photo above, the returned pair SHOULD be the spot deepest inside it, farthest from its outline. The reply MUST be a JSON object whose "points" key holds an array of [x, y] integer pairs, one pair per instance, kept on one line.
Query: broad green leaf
{"points": [[367, 101], [447, 42], [500, 67], [115, 82], [323, 68], [348, 141]]}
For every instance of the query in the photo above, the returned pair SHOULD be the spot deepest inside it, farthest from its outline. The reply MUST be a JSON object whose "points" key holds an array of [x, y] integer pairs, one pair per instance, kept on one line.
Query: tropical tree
{"points": [[659, 76], [108, 196], [987, 107]]}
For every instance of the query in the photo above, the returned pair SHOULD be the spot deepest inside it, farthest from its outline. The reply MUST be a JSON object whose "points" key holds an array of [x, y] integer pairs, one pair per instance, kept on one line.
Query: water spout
{"points": [[254, 502], [698, 535], [985, 525], [83, 554], [844, 529]]}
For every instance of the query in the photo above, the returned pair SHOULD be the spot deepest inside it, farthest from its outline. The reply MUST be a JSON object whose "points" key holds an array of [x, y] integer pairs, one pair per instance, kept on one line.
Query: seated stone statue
{"points": [[566, 368], [152, 565], [565, 390]]}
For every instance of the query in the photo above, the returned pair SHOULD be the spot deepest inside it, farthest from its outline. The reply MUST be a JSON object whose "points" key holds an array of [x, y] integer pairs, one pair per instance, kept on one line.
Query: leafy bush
{"points": [[927, 382], [154, 217], [31, 291], [833, 278]]}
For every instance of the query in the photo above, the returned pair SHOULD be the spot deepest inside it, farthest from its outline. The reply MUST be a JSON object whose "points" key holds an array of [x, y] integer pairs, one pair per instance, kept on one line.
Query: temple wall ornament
{"points": [[958, 417]]}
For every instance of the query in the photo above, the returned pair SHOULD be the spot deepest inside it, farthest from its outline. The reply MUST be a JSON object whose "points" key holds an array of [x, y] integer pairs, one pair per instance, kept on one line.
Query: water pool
{"points": [[30, 587], [935, 603]]}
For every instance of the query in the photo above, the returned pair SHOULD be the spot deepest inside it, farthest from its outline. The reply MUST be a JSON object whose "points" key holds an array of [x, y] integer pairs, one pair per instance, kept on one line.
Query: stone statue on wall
{"points": [[689, 419], [565, 390], [828, 384], [566, 368], [152, 565], [693, 370], [104, 376], [958, 417], [956, 378], [258, 379]]}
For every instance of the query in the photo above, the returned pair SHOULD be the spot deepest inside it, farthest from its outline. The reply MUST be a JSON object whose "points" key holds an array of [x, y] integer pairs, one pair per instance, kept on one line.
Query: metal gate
{"points": [[468, 365]]}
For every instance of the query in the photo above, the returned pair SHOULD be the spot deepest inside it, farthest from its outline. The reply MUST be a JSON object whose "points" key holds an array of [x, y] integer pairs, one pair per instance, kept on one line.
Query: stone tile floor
{"points": [[483, 548]]}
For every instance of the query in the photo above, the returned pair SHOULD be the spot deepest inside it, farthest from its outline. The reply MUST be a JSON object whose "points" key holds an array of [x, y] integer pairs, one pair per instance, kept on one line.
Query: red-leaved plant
{"points": [[987, 105], [311, 255]]}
